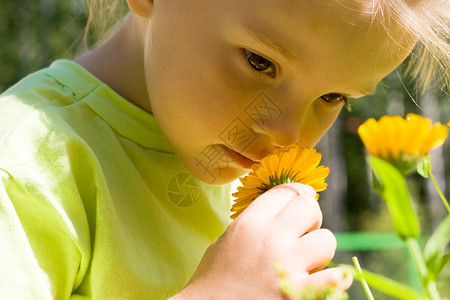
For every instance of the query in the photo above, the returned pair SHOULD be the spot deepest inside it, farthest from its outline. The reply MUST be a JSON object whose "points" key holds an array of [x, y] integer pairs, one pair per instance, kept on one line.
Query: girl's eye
{"points": [[259, 63], [334, 97]]}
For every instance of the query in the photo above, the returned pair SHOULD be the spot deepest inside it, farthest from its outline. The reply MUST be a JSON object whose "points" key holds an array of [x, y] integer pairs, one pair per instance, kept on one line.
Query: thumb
{"points": [[271, 202]]}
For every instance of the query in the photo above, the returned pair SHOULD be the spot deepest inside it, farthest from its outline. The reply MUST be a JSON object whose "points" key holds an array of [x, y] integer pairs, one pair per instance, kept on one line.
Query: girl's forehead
{"points": [[346, 23], [297, 15]]}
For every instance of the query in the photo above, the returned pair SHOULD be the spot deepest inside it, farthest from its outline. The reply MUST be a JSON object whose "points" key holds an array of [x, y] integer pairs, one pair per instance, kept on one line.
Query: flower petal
{"points": [[435, 138], [290, 164], [402, 142]]}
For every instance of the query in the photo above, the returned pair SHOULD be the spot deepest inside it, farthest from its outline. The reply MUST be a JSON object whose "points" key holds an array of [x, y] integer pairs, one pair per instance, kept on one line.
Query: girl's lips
{"points": [[238, 158]]}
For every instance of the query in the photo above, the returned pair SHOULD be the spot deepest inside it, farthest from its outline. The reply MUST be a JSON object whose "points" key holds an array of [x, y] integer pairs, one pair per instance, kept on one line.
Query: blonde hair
{"points": [[426, 21], [102, 16]]}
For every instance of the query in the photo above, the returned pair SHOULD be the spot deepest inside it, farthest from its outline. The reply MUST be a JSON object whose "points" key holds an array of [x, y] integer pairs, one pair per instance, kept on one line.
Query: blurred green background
{"points": [[34, 33]]}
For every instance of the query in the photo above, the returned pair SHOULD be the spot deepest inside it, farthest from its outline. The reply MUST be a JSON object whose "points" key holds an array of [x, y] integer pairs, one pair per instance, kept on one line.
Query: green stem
{"points": [[439, 191], [428, 285], [363, 281]]}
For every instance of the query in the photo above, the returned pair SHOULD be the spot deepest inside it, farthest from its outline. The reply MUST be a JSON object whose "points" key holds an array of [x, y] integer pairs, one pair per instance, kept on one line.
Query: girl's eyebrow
{"points": [[274, 45]]}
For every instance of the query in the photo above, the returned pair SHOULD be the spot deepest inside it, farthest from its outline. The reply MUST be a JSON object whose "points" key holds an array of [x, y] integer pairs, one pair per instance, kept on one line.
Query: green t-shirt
{"points": [[93, 201]]}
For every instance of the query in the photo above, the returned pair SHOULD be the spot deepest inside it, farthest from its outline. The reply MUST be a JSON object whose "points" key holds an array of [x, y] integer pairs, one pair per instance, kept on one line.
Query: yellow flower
{"points": [[402, 142], [284, 165]]}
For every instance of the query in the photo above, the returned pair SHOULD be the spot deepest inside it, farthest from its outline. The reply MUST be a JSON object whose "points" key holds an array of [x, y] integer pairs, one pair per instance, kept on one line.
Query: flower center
{"points": [[286, 176]]}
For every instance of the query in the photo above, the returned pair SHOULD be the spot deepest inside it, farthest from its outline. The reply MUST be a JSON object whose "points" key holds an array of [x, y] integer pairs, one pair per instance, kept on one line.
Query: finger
{"points": [[313, 251], [271, 202], [337, 277], [302, 214]]}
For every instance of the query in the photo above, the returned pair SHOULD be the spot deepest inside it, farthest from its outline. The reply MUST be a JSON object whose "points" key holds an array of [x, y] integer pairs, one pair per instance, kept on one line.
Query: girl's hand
{"points": [[282, 225]]}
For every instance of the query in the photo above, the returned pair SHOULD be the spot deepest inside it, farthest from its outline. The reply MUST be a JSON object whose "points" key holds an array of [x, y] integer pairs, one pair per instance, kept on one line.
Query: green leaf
{"points": [[434, 251], [424, 167], [444, 261], [376, 183], [388, 286], [394, 191]]}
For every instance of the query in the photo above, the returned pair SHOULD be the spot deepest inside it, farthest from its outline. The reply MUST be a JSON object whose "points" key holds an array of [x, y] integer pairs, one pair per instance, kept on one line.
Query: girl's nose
{"points": [[283, 134], [280, 114], [283, 127]]}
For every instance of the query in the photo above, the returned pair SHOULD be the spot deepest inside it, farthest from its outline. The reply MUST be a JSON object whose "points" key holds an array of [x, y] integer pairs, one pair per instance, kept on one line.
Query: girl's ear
{"points": [[141, 8]]}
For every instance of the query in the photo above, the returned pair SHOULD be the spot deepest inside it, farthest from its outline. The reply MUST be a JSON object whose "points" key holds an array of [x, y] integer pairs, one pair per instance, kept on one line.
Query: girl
{"points": [[114, 167]]}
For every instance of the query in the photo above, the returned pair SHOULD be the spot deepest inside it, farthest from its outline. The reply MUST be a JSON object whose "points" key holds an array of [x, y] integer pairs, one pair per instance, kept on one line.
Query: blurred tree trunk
{"points": [[333, 198]]}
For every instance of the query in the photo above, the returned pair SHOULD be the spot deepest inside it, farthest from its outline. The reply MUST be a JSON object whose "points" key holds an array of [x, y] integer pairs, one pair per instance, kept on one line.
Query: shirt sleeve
{"points": [[38, 256], [45, 238]]}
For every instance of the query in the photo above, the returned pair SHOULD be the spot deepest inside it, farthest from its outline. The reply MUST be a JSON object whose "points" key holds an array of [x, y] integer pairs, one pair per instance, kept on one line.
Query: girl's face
{"points": [[229, 81]]}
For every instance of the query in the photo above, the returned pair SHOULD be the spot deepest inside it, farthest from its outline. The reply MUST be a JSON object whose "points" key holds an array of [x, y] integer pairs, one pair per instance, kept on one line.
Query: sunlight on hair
{"points": [[424, 21], [102, 16], [428, 23]]}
